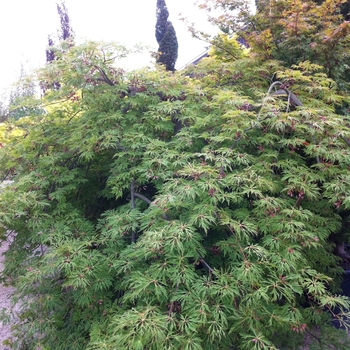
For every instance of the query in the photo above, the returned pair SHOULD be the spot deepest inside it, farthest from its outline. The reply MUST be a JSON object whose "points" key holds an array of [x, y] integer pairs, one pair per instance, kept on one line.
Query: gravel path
{"points": [[5, 331]]}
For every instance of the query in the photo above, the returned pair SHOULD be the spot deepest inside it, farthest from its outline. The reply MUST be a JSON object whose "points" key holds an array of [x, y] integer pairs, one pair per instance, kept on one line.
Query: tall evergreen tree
{"points": [[166, 37], [65, 33], [50, 55], [66, 29]]}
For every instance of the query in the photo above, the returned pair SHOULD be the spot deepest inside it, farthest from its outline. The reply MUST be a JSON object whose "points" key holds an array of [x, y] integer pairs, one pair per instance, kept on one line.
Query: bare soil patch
{"points": [[5, 300]]}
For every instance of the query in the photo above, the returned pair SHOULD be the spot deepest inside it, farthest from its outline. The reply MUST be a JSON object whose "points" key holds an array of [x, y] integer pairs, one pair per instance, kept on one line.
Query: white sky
{"points": [[26, 24]]}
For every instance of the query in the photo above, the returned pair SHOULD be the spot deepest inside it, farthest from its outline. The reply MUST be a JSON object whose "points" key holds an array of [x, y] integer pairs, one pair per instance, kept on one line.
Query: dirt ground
{"points": [[5, 330]]}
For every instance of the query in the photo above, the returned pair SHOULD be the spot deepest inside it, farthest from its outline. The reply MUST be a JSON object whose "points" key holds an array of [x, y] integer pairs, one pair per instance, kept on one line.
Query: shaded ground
{"points": [[5, 330]]}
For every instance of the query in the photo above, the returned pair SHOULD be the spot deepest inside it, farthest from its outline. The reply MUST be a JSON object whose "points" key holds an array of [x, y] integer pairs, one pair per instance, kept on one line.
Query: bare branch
{"points": [[291, 97], [346, 140], [205, 264], [132, 190], [104, 76], [149, 202], [145, 199]]}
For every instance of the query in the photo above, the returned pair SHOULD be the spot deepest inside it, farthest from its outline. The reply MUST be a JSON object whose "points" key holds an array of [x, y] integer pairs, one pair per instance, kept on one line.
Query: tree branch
{"points": [[292, 99], [205, 264], [347, 141], [104, 76], [70, 119], [149, 202], [145, 199], [132, 190]]}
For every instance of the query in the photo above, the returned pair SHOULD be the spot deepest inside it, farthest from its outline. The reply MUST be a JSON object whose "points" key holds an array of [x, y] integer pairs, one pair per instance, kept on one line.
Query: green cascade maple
{"points": [[129, 235]]}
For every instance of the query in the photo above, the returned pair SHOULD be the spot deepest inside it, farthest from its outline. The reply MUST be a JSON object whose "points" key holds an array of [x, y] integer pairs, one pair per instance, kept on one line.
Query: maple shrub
{"points": [[127, 234]]}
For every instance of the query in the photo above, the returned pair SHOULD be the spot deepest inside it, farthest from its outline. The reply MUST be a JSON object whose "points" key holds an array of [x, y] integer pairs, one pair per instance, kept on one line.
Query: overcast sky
{"points": [[26, 24]]}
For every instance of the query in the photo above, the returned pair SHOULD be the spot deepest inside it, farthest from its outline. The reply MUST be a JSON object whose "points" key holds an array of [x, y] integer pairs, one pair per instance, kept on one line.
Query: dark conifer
{"points": [[66, 29], [166, 37], [65, 33], [50, 55]]}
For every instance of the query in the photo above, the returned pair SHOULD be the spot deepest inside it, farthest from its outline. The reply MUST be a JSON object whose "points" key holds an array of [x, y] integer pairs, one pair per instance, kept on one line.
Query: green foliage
{"points": [[21, 101], [305, 36], [3, 109], [17, 103], [131, 236], [292, 32], [226, 48]]}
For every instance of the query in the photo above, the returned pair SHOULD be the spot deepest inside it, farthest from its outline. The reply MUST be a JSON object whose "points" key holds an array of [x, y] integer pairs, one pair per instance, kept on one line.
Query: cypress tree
{"points": [[50, 55], [65, 33], [66, 29], [166, 37]]}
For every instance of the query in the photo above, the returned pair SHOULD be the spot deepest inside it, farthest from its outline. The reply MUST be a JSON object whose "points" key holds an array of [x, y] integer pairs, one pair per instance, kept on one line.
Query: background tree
{"points": [[166, 37], [3, 110], [65, 33], [16, 103], [50, 55], [344, 8], [21, 96], [292, 31]]}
